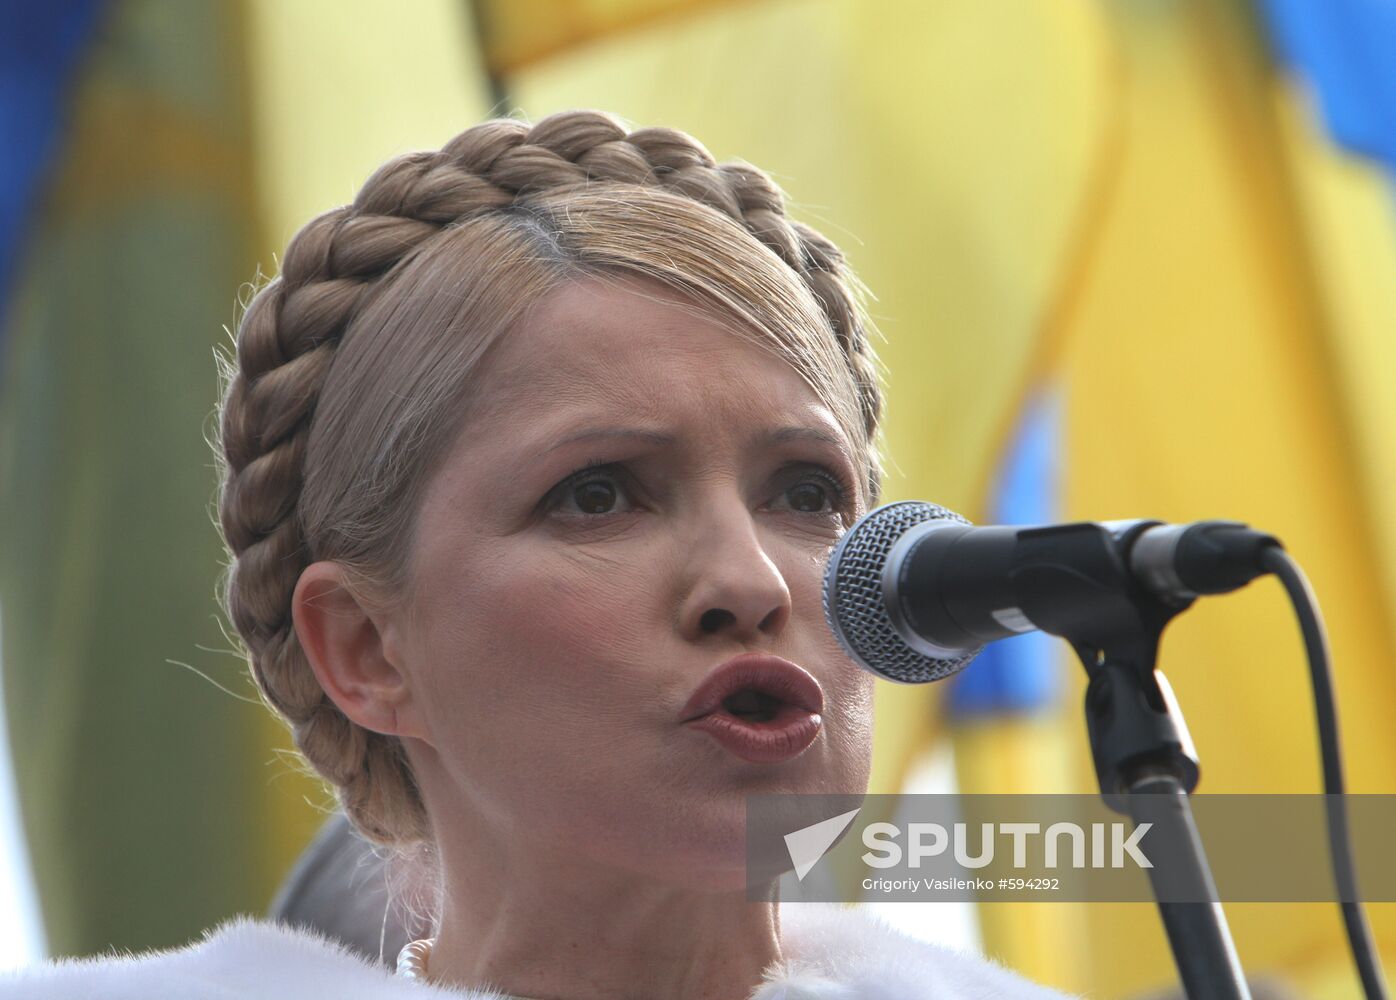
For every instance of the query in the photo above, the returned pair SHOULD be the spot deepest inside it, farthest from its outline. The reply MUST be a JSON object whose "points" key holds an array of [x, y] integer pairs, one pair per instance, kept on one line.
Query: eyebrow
{"points": [[599, 433], [778, 436]]}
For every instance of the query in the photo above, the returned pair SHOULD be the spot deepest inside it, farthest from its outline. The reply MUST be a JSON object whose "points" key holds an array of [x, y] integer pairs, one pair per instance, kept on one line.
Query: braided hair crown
{"points": [[356, 273]]}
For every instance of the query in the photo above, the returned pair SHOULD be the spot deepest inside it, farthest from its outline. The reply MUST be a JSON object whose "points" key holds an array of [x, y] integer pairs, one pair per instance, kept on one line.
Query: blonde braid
{"points": [[333, 268]]}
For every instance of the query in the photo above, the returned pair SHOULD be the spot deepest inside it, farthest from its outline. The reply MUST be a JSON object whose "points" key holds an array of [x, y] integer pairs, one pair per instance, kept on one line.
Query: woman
{"points": [[534, 455]]}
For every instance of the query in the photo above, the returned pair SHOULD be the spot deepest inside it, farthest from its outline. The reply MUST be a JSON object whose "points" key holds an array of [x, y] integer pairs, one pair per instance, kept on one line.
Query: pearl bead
{"points": [[412, 960]]}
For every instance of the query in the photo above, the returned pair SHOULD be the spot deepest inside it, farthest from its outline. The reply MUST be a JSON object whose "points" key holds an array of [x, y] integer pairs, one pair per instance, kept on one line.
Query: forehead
{"points": [[627, 349]]}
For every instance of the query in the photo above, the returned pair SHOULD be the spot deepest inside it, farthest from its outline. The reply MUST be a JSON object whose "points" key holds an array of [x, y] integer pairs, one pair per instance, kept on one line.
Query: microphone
{"points": [[914, 591]]}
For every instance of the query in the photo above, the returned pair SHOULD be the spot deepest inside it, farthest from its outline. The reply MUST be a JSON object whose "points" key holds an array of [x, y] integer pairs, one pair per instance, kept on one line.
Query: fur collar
{"points": [[833, 953]]}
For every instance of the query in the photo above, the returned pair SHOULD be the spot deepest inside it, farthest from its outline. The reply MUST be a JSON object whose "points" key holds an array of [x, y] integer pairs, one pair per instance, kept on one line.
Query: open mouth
{"points": [[761, 708], [752, 705]]}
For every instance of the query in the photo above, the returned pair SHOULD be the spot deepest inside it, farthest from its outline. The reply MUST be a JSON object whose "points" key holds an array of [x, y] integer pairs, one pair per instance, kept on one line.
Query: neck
{"points": [[559, 934]]}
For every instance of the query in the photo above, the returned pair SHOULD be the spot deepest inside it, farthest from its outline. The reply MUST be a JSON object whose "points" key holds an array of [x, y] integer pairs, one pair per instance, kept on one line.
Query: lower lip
{"points": [[788, 734]]}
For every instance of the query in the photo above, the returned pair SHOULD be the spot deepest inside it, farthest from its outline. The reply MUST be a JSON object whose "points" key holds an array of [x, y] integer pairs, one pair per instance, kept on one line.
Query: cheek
{"points": [[529, 634], [847, 686], [857, 730]]}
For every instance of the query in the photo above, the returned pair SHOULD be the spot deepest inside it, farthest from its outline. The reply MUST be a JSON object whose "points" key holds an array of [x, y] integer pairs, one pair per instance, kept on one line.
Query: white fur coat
{"points": [[832, 953]]}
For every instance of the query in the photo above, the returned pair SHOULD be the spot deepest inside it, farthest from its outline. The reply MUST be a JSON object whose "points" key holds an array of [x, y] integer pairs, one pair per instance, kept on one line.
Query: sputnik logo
{"points": [[808, 844]]}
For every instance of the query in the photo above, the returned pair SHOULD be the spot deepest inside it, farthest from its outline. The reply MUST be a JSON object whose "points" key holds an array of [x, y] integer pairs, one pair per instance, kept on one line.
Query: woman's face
{"points": [[636, 497]]}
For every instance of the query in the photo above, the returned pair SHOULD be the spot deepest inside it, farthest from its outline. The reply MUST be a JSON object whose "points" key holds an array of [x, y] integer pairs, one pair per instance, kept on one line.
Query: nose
{"points": [[734, 586]]}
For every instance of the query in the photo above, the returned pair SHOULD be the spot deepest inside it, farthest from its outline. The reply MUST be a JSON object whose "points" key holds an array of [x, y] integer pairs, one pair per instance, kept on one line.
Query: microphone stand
{"points": [[1144, 758], [1141, 747]]}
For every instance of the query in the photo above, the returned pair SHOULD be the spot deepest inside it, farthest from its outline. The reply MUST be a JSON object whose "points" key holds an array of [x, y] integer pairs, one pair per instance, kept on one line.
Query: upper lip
{"points": [[769, 674]]}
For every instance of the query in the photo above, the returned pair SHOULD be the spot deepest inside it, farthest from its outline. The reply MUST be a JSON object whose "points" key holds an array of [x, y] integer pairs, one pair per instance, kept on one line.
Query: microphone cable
{"points": [[1277, 561]]}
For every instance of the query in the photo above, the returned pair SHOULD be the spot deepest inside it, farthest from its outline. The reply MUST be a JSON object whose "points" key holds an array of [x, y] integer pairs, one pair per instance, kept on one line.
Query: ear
{"points": [[351, 651]]}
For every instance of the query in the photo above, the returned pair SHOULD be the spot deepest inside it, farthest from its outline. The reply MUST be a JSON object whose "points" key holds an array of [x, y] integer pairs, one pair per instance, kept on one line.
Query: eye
{"points": [[817, 491], [591, 491], [596, 496], [808, 497]]}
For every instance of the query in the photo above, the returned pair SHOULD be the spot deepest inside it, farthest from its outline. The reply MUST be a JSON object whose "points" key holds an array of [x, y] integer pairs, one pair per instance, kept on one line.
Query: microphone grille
{"points": [[855, 606]]}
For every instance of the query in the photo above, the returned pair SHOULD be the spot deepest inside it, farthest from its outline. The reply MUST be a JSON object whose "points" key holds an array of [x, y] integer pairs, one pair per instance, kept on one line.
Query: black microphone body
{"points": [[916, 576], [953, 585]]}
